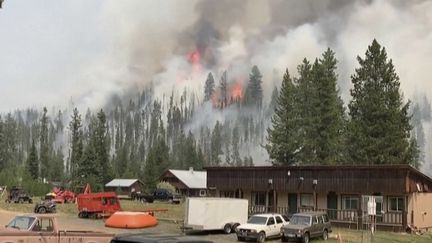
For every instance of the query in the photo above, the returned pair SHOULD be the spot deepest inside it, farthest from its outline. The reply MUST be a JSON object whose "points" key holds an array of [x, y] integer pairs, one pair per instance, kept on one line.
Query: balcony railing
{"points": [[340, 215]]}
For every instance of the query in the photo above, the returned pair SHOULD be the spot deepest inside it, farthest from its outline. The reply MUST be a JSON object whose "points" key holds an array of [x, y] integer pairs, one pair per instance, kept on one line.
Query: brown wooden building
{"points": [[190, 182], [403, 194], [124, 187]]}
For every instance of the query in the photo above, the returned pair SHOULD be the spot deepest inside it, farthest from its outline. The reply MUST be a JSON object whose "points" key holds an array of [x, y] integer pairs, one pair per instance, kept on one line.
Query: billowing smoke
{"points": [[162, 43]]}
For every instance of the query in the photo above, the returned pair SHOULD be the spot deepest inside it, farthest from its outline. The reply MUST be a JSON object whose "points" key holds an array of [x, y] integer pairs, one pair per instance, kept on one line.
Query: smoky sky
{"points": [[80, 53]]}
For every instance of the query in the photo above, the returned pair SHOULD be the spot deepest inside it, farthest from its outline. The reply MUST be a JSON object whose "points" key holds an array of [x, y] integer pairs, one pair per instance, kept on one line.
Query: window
{"points": [[229, 194], [320, 219], [315, 220], [271, 221], [259, 198], [395, 204], [325, 218], [306, 200], [278, 220], [350, 202]]}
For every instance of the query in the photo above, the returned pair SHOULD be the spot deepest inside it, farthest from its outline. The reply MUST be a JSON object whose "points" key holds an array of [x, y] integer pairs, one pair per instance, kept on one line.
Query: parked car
{"points": [[261, 227], [46, 206], [304, 226], [18, 195], [143, 197], [166, 195]]}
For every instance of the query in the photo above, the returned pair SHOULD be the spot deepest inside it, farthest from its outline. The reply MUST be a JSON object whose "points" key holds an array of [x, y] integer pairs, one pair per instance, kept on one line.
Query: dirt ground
{"points": [[71, 222]]}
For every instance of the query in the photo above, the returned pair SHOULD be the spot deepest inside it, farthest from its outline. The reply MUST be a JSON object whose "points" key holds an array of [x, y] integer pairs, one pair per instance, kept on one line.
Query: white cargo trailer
{"points": [[209, 213]]}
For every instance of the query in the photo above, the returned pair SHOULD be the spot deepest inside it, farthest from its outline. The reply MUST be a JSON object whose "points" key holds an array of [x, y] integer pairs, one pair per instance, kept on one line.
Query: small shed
{"points": [[187, 182], [124, 187]]}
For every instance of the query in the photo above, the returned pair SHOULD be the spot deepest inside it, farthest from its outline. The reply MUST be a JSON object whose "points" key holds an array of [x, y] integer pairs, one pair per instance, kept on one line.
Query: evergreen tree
{"points": [[306, 98], [236, 159], [76, 144], [102, 148], [379, 129], [209, 87], [283, 136], [32, 162], [156, 163], [44, 146], [254, 92], [216, 144], [223, 87], [329, 109]]}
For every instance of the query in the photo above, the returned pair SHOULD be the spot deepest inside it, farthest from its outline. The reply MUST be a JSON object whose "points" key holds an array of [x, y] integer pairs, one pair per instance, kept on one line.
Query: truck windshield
{"points": [[300, 220], [21, 222], [257, 220]]}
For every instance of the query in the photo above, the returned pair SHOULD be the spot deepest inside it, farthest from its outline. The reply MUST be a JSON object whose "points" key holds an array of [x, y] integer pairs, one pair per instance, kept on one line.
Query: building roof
{"points": [[191, 178], [390, 179], [121, 182]]}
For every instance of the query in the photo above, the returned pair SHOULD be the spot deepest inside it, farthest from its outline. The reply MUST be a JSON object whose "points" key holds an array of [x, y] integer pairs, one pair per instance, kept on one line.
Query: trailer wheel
{"points": [[227, 229], [234, 227]]}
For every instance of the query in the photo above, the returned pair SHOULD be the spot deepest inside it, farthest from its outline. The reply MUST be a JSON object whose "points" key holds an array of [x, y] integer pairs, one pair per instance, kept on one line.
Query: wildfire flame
{"points": [[195, 59]]}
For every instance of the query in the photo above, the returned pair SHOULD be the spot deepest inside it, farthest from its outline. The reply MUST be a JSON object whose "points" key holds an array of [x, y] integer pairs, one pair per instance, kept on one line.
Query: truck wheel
{"points": [[261, 237], [284, 239], [21, 200], [227, 229], [239, 238], [42, 210], [305, 238], [234, 227], [325, 235]]}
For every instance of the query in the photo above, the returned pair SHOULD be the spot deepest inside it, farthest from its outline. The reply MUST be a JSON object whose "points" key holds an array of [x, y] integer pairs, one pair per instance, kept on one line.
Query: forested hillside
{"points": [[230, 122]]}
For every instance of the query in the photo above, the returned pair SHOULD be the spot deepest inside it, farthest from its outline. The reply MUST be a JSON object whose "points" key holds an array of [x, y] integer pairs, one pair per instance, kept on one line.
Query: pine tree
{"points": [[283, 136], [216, 144], [209, 87], [379, 129], [76, 144], [44, 146], [254, 92], [329, 109], [102, 148], [236, 159], [223, 86], [306, 99], [32, 162]]}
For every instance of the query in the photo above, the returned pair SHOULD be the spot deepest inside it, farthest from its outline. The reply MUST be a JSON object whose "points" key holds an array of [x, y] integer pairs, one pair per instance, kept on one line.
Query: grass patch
{"points": [[175, 211]]}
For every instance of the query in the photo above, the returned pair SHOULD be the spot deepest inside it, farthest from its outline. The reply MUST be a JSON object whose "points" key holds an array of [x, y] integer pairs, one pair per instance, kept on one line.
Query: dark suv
{"points": [[305, 226], [166, 195]]}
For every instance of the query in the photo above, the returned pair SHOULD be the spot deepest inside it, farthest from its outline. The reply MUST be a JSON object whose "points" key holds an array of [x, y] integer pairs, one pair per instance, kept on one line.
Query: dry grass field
{"points": [[171, 221]]}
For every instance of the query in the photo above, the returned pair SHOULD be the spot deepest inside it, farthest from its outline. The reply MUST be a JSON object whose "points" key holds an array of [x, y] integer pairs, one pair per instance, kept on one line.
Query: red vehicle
{"points": [[63, 196], [97, 205]]}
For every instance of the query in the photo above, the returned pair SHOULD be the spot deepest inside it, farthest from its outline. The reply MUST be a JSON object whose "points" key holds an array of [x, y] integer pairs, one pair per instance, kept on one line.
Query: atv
{"points": [[46, 206], [18, 195]]}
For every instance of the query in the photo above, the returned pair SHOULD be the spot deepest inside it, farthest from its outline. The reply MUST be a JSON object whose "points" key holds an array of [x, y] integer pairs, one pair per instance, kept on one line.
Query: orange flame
{"points": [[195, 59]]}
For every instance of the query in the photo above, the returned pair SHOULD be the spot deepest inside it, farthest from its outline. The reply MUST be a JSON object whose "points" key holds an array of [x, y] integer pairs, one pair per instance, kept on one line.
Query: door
{"points": [[332, 205], [272, 201], [272, 228], [292, 203]]}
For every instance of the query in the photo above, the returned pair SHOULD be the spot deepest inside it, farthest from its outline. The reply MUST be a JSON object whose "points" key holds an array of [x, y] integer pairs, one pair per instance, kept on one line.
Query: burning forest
{"points": [[217, 83]]}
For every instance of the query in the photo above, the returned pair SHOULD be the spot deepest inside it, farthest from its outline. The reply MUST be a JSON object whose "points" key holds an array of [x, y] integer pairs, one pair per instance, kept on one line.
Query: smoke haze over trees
{"points": [[201, 77]]}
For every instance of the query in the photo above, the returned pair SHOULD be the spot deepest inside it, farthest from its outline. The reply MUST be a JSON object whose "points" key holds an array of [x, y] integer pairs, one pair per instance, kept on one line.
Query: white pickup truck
{"points": [[261, 227]]}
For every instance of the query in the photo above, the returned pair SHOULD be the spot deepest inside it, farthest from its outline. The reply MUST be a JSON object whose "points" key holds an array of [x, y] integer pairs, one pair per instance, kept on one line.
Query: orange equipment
{"points": [[131, 220]]}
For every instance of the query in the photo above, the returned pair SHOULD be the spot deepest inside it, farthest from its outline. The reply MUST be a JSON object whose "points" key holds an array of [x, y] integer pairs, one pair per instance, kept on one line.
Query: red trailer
{"points": [[97, 205]]}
